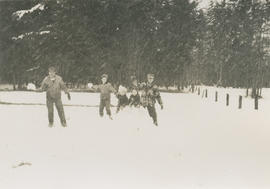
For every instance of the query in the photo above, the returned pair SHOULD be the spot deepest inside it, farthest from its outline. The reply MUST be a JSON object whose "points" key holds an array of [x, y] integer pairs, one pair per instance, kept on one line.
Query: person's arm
{"points": [[63, 85], [95, 87], [160, 101], [112, 89], [126, 101], [130, 100], [64, 88], [157, 96], [44, 85]]}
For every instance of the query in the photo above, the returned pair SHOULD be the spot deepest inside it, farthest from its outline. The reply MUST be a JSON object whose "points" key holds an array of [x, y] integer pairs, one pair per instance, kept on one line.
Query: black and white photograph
{"points": [[134, 94]]}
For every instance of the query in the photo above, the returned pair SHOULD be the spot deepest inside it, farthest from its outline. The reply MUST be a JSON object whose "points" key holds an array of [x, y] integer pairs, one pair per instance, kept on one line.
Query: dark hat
{"points": [[104, 75]]}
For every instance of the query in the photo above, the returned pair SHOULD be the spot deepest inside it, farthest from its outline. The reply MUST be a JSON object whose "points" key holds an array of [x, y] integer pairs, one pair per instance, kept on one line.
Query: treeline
{"points": [[237, 44], [224, 45]]}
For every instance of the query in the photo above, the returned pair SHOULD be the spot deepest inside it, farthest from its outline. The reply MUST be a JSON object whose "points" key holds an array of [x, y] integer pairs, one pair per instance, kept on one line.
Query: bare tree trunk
{"points": [[220, 83], [14, 81]]}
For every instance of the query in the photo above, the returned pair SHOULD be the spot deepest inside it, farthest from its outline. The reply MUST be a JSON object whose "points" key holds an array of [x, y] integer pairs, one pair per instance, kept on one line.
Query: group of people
{"points": [[143, 94]]}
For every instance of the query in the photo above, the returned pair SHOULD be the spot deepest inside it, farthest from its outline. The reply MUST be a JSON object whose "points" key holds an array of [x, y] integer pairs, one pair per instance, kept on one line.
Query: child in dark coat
{"points": [[134, 99], [105, 90]]}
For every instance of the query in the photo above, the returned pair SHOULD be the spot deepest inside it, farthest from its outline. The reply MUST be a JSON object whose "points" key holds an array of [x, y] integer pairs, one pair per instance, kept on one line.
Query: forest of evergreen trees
{"points": [[227, 44]]}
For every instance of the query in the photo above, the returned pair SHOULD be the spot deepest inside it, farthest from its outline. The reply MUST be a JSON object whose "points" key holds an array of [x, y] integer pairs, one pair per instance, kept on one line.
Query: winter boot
{"points": [[64, 124], [155, 122], [50, 125]]}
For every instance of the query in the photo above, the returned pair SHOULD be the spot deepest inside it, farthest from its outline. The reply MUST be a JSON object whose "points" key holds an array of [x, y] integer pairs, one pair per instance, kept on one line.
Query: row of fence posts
{"points": [[205, 94]]}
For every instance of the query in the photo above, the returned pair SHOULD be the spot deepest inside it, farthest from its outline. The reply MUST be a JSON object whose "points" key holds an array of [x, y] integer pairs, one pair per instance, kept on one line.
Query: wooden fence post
{"points": [[256, 102], [216, 96], [240, 102], [227, 99]]}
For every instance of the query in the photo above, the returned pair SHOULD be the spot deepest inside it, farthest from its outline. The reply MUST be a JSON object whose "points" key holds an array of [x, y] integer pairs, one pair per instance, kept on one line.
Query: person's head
{"points": [[134, 92], [134, 82], [104, 78], [52, 72], [122, 90], [150, 78]]}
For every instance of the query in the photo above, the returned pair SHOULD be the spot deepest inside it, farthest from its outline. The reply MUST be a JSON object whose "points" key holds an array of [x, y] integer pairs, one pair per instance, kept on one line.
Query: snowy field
{"points": [[199, 144]]}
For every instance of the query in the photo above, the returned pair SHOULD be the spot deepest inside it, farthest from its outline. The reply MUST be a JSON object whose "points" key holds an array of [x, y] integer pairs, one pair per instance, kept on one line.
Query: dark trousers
{"points": [[105, 103], [152, 112], [59, 107], [118, 108]]}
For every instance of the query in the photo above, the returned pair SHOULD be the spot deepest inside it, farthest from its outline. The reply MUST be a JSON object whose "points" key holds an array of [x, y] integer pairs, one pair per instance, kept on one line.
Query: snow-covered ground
{"points": [[199, 144]]}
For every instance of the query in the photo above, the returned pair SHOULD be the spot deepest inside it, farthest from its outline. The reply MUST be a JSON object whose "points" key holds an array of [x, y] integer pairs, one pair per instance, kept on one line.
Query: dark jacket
{"points": [[105, 90], [134, 100], [122, 100], [150, 94], [53, 87]]}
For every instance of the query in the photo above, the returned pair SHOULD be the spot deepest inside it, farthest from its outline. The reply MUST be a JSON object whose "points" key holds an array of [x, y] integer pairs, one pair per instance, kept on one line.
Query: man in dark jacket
{"points": [[149, 96], [53, 84]]}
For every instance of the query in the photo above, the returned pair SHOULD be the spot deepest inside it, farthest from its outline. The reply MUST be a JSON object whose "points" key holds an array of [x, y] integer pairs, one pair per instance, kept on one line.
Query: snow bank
{"points": [[198, 144]]}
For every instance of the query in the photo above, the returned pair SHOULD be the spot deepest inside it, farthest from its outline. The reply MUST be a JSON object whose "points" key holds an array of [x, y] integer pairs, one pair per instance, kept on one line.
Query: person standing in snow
{"points": [[53, 84], [150, 94], [105, 90]]}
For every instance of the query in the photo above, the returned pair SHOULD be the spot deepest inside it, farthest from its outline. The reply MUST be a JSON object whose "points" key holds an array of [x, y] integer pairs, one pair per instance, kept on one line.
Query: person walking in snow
{"points": [[53, 85], [150, 94], [105, 89]]}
